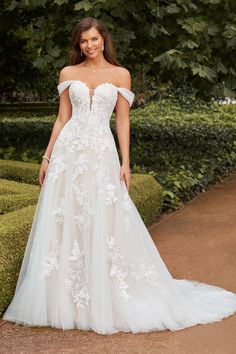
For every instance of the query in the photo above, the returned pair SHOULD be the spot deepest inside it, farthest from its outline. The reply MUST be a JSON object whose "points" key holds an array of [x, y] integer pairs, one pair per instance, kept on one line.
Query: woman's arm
{"points": [[63, 116], [123, 127]]}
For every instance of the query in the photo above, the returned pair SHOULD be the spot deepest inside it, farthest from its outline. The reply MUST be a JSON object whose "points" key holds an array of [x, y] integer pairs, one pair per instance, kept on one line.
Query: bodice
{"points": [[93, 105]]}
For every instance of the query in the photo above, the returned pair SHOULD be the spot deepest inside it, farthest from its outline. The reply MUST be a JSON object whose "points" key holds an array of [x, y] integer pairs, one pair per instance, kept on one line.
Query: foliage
{"points": [[14, 230], [163, 43]]}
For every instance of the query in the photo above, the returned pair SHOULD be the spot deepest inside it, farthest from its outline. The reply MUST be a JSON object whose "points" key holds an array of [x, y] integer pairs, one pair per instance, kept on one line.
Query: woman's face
{"points": [[91, 43]]}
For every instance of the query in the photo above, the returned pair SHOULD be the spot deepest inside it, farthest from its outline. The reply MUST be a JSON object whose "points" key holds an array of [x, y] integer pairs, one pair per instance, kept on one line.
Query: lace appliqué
{"points": [[57, 166], [81, 165], [122, 271], [104, 186], [77, 282], [51, 261], [127, 206], [60, 210], [86, 210], [110, 193]]}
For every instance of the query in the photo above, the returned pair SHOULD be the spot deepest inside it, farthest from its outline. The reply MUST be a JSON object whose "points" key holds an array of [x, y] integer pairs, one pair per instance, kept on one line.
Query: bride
{"points": [[90, 262]]}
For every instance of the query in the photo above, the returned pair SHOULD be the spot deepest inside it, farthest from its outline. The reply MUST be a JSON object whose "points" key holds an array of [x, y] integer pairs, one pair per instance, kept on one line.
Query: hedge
{"points": [[14, 195], [14, 230], [185, 147], [161, 133], [19, 171]]}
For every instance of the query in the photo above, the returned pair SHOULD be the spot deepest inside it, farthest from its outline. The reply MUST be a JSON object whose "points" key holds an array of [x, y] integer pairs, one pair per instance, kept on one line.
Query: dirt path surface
{"points": [[197, 242]]}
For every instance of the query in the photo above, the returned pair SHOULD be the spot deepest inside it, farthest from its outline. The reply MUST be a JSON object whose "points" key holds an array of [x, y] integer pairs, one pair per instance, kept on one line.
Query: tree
{"points": [[160, 41]]}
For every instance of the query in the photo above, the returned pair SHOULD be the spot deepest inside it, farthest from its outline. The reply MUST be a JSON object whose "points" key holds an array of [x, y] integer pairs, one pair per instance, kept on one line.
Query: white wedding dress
{"points": [[90, 262]]}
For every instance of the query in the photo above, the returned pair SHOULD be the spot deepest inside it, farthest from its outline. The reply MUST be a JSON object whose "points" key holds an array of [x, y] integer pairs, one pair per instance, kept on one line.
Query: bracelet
{"points": [[46, 158]]}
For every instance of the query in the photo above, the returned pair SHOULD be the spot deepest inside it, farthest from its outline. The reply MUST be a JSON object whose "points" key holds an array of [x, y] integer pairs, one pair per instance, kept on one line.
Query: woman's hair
{"points": [[84, 25]]}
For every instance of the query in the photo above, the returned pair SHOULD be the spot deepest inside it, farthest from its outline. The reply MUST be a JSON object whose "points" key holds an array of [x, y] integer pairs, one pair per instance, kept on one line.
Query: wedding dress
{"points": [[90, 262]]}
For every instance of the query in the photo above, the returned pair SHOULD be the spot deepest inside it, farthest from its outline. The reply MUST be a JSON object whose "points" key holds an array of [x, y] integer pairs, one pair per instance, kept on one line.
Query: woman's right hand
{"points": [[42, 171]]}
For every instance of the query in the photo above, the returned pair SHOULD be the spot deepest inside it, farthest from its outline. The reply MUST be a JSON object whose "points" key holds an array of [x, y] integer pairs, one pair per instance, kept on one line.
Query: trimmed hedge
{"points": [[14, 230], [30, 107], [147, 195], [14, 195], [183, 143], [162, 133], [7, 186], [19, 171]]}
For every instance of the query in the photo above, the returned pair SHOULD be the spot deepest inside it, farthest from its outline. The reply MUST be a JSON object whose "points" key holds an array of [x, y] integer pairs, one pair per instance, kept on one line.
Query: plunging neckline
{"points": [[93, 89]]}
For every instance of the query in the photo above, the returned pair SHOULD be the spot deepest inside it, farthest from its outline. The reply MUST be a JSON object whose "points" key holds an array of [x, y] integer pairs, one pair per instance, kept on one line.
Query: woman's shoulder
{"points": [[66, 72], [124, 77], [122, 71]]}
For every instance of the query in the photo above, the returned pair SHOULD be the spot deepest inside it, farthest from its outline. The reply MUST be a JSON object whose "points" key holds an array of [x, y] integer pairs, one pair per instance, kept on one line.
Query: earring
{"points": [[102, 47], [81, 53]]}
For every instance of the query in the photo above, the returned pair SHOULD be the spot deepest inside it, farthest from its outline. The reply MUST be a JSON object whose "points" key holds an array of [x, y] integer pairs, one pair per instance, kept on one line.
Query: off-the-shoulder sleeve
{"points": [[127, 94], [63, 85]]}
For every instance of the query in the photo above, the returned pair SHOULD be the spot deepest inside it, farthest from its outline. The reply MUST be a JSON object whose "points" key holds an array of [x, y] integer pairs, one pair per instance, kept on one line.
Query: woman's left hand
{"points": [[125, 174]]}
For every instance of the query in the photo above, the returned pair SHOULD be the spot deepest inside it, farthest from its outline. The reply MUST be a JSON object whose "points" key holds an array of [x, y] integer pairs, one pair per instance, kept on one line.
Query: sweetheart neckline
{"points": [[123, 90], [89, 89], [93, 89]]}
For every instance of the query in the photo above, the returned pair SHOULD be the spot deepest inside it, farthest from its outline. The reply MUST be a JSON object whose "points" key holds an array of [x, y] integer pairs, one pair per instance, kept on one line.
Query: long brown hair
{"points": [[84, 25]]}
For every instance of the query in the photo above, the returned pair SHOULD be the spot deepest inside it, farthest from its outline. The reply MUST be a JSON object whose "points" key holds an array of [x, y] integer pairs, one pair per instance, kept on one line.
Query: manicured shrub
{"points": [[19, 171], [185, 143], [14, 195], [147, 195], [14, 230]]}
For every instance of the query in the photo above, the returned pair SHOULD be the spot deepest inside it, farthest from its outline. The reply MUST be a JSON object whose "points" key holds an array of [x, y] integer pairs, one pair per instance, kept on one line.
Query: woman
{"points": [[90, 262]]}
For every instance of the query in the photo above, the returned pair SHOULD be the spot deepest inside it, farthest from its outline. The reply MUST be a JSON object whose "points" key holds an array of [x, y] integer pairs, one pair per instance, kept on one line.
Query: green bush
{"points": [[7, 186], [147, 195], [185, 143], [184, 147], [19, 171], [14, 230], [14, 195]]}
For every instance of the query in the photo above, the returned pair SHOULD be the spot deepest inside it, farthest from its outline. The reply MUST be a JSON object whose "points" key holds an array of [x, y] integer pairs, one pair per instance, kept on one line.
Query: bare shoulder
{"points": [[124, 77], [67, 73], [123, 72]]}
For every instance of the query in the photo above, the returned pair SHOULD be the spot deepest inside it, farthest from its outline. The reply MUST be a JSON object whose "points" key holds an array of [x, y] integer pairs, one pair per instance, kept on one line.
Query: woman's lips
{"points": [[91, 51]]}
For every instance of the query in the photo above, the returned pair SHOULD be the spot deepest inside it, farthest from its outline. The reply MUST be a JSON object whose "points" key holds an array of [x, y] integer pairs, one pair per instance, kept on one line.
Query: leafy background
{"points": [[165, 44]]}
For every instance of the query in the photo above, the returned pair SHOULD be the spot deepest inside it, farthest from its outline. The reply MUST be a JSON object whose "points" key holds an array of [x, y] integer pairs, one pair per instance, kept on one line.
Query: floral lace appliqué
{"points": [[110, 193], [81, 165], [60, 210], [86, 209], [118, 269], [127, 206], [77, 282], [51, 261], [57, 166], [122, 271]]}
